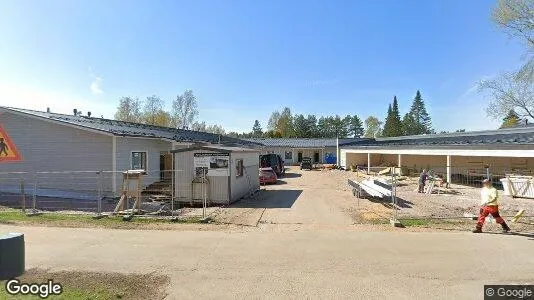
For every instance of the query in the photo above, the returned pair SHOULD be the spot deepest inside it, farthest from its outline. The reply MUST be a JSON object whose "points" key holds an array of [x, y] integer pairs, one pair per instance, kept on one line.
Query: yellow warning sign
{"points": [[8, 151]]}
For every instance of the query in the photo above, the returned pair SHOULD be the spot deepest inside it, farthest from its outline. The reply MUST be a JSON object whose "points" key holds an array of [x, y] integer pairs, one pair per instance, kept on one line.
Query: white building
{"points": [[231, 173], [456, 154]]}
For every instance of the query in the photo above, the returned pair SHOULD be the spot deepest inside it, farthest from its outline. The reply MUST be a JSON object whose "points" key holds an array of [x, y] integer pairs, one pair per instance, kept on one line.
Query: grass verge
{"points": [[68, 220], [93, 285]]}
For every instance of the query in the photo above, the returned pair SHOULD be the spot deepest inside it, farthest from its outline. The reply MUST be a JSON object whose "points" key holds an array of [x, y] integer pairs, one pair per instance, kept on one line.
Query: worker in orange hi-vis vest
{"points": [[490, 206]]}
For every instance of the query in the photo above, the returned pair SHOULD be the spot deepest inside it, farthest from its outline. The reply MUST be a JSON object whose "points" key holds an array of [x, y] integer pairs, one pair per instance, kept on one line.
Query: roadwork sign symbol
{"points": [[8, 151]]}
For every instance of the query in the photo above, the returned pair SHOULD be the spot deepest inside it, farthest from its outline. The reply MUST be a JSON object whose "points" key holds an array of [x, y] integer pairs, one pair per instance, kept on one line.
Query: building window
{"points": [[139, 161], [239, 167], [289, 155]]}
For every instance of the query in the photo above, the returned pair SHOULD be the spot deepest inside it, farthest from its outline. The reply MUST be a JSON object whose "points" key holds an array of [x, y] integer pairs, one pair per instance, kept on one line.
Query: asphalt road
{"points": [[293, 264]]}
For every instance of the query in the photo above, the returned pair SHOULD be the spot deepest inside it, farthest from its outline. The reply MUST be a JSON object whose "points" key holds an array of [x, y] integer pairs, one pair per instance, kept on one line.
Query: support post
{"points": [[23, 196], [368, 163], [172, 181], [448, 169], [399, 158], [100, 191]]}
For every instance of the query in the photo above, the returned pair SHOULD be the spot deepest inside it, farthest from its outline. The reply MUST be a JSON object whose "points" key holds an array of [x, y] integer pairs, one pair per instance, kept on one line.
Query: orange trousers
{"points": [[486, 211]]}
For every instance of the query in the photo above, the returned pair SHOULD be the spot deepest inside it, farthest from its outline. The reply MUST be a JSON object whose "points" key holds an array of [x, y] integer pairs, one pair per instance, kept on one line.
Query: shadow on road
{"points": [[292, 175], [270, 199], [525, 234]]}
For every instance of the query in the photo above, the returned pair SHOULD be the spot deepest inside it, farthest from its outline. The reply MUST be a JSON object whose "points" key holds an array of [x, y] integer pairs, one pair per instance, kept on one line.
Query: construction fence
{"points": [[86, 191], [392, 193]]}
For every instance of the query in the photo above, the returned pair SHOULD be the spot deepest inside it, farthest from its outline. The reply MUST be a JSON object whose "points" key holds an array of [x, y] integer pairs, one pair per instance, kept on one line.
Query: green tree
{"points": [[417, 120], [396, 127], [339, 127], [301, 126], [511, 120], [256, 129], [312, 125], [272, 125], [285, 123], [355, 126], [388, 125], [129, 110], [372, 127]]}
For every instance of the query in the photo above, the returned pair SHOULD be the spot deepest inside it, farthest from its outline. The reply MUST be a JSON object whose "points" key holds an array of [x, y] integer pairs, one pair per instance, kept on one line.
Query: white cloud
{"points": [[96, 85], [23, 96]]}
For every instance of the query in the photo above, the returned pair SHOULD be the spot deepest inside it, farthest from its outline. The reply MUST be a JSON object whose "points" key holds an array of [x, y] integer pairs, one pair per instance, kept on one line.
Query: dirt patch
{"points": [[95, 285]]}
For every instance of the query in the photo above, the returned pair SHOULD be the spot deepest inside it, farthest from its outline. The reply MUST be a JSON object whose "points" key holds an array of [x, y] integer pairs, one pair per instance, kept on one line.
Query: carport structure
{"points": [[505, 150]]}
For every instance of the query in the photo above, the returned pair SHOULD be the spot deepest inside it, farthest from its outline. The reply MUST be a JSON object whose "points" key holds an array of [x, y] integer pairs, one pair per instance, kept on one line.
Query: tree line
{"points": [[151, 111], [283, 124]]}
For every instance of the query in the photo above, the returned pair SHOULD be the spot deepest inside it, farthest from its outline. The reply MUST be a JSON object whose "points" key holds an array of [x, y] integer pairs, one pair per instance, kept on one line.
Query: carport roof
{"points": [[501, 137], [304, 142], [129, 129]]}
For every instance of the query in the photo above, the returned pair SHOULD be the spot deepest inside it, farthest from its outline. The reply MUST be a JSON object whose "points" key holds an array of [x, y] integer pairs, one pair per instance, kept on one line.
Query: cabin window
{"points": [[139, 161], [288, 155], [239, 168]]}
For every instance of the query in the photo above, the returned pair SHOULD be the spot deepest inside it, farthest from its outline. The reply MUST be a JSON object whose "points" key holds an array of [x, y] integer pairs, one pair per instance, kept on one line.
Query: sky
{"points": [[245, 59]]}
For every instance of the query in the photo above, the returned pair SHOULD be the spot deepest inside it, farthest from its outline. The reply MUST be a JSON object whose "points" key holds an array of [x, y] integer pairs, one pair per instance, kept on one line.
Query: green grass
{"points": [[415, 222], [66, 220], [94, 285]]}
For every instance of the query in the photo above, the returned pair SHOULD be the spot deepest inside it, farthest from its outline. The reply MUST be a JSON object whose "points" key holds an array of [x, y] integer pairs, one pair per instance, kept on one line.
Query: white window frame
{"points": [[146, 158]]}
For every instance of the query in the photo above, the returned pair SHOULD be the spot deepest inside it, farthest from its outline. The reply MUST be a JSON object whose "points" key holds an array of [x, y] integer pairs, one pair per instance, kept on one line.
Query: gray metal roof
{"points": [[120, 128], [303, 142], [216, 148], [501, 137]]}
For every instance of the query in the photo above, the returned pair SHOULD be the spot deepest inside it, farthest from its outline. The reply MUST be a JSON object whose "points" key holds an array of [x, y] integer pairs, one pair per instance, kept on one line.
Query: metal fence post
{"points": [[23, 195], [204, 192], [34, 204], [100, 191]]}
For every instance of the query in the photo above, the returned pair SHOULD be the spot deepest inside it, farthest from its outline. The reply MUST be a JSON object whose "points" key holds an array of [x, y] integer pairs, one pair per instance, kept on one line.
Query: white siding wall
{"points": [[153, 147], [185, 174], [250, 181], [49, 147]]}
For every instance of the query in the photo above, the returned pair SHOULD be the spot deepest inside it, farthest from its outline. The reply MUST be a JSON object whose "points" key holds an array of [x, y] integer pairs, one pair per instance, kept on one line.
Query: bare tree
{"points": [[184, 110], [509, 93], [129, 110], [217, 129], [152, 109], [516, 17], [199, 126]]}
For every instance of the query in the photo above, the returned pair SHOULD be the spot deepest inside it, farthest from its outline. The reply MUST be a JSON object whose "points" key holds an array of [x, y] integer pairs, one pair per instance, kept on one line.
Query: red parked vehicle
{"points": [[267, 175]]}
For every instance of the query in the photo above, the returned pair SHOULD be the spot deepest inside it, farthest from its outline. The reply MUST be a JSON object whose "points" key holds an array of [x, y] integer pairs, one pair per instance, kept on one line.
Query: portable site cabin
{"points": [[59, 155], [220, 174]]}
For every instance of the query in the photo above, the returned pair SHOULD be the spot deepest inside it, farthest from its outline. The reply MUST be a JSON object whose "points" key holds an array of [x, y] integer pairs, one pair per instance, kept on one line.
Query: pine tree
{"points": [[511, 120], [387, 132], [256, 129], [417, 120], [396, 127], [355, 126]]}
